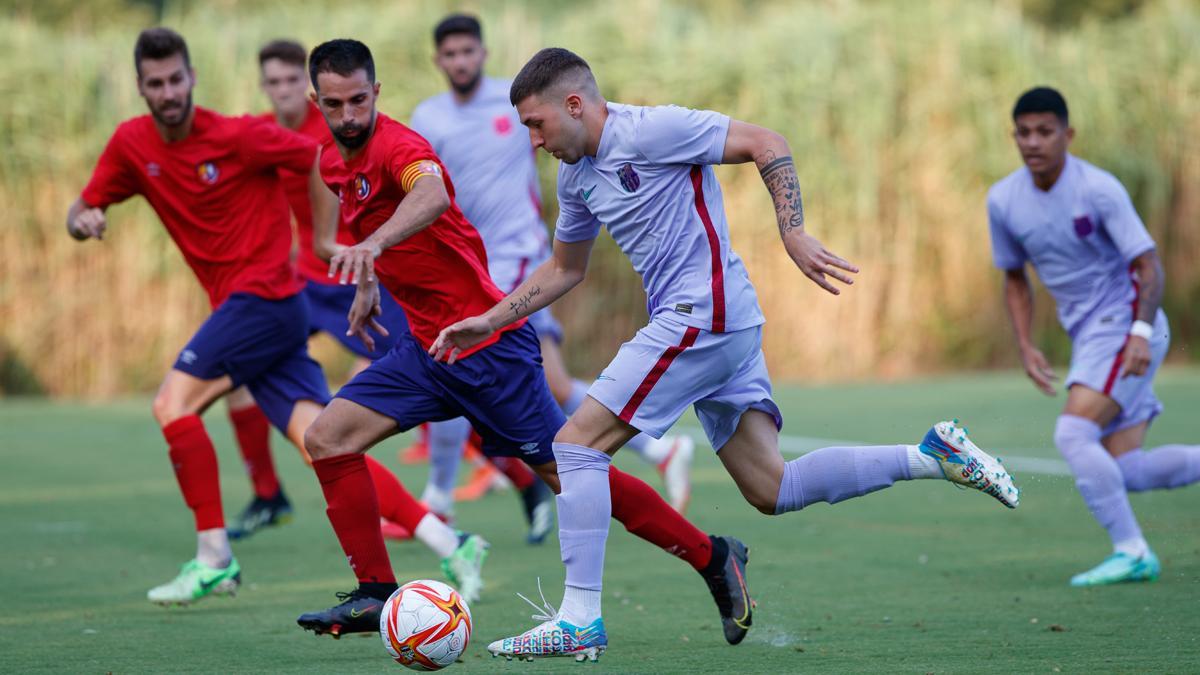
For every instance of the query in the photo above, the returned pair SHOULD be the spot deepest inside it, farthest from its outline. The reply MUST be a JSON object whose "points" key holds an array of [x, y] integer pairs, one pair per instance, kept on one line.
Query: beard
{"points": [[182, 109], [356, 141], [469, 85]]}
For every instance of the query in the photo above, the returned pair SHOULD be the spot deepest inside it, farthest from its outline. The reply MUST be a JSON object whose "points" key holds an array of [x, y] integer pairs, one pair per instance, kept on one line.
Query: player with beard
{"points": [[214, 181], [399, 202], [476, 131]]}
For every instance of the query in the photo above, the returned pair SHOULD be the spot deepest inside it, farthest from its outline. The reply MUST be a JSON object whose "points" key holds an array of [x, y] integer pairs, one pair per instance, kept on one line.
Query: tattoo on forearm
{"points": [[779, 175], [521, 304]]}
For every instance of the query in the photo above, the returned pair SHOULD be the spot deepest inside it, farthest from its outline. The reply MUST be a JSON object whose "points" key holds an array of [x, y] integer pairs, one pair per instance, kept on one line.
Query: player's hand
{"points": [[354, 263], [362, 316], [1136, 358], [459, 337], [88, 223], [817, 262], [1038, 369]]}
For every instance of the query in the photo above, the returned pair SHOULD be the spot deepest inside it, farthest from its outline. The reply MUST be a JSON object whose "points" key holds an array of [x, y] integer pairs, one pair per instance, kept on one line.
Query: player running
{"points": [[476, 132], [214, 181], [1077, 226], [646, 174], [399, 202]]}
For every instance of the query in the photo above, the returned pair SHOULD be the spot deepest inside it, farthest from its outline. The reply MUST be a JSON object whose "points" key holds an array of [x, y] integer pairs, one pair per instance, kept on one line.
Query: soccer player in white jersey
{"points": [[646, 174], [1077, 226], [476, 131]]}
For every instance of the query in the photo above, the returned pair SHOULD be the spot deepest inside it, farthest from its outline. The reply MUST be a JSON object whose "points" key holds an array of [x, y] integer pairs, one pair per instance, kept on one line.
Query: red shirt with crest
{"points": [[439, 275], [219, 194]]}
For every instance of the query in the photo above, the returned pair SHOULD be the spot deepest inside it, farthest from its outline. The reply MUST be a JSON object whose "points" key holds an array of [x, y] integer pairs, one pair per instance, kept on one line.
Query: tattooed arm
{"points": [[549, 282], [770, 153]]}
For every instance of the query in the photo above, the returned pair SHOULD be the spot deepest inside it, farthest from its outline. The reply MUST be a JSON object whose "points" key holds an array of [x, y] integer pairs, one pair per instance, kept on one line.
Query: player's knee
{"points": [[320, 441], [761, 500], [166, 408]]}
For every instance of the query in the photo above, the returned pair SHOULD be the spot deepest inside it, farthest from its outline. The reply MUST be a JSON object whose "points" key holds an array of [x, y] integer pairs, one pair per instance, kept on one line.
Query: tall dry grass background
{"points": [[897, 113]]}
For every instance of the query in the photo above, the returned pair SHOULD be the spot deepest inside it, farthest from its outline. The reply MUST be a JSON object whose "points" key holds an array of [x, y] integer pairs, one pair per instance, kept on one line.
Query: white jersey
{"points": [[652, 185], [487, 152], [1081, 236]]}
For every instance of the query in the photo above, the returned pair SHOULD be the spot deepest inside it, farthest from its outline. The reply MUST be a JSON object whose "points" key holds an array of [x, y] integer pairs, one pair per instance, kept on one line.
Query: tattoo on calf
{"points": [[522, 303], [784, 186]]}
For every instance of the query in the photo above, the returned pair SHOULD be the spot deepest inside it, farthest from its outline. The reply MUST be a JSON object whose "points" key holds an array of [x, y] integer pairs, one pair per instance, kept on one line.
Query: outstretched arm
{"points": [[770, 153], [549, 282], [1018, 297], [324, 207]]}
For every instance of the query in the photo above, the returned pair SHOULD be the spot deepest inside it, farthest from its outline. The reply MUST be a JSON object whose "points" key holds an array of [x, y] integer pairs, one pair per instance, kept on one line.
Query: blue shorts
{"points": [[262, 344], [1096, 364], [328, 305], [501, 390]]}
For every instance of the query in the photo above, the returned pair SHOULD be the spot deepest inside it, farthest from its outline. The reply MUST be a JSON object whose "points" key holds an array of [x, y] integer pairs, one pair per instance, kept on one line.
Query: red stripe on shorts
{"points": [[656, 373], [714, 249]]}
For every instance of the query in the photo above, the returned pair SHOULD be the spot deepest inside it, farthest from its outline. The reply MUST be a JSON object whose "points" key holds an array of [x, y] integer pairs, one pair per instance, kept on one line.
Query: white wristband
{"points": [[1141, 329]]}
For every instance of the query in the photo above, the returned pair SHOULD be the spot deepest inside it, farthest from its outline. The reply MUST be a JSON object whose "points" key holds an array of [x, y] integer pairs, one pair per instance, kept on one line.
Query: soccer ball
{"points": [[425, 625]]}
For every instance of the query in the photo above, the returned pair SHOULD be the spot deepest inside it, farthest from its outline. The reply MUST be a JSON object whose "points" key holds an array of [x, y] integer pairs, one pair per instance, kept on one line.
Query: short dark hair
{"points": [[288, 51], [457, 24], [341, 56], [544, 70], [1042, 99], [159, 43]]}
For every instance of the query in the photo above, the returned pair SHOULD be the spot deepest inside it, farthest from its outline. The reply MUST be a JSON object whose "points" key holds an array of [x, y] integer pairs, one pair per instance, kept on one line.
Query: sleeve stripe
{"points": [[416, 170]]}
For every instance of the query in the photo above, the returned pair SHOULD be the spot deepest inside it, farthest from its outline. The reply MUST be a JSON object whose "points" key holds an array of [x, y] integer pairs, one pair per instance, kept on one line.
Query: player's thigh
{"points": [[239, 399], [345, 427], [182, 394], [595, 426], [751, 456], [1083, 401], [1126, 440]]}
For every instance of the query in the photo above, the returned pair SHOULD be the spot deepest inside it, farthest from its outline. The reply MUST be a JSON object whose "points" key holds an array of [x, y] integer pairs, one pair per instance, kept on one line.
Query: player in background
{"points": [[1078, 228], [476, 132], [646, 174], [398, 200], [214, 181]]}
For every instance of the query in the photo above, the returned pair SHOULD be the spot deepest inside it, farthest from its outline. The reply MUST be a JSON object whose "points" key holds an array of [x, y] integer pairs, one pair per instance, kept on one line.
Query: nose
{"points": [[535, 139]]}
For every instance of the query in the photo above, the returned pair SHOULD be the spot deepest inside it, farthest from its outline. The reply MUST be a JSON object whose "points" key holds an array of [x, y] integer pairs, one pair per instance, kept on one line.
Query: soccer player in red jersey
{"points": [[398, 201], [214, 182]]}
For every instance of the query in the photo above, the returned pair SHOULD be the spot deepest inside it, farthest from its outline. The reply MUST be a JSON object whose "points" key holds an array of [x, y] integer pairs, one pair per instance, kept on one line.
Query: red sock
{"points": [[516, 471], [195, 462], [353, 510], [395, 503], [253, 433], [644, 513]]}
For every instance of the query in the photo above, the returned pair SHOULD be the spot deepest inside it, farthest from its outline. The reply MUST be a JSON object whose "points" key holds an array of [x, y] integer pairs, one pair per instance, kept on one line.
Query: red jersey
{"points": [[217, 192], [295, 185], [439, 275]]}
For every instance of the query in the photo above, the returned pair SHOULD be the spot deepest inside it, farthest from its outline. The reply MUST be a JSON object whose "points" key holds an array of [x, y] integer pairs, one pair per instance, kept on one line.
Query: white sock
{"points": [[580, 606], [212, 548], [1135, 548], [438, 536], [656, 450], [921, 465], [438, 500]]}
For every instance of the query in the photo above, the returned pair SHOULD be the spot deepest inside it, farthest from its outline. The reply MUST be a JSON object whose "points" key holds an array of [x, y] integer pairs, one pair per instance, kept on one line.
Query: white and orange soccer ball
{"points": [[425, 625]]}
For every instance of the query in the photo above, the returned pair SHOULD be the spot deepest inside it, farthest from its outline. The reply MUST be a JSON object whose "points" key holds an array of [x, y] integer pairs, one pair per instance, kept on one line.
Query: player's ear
{"points": [[1070, 134], [375, 89], [312, 96], [574, 105]]}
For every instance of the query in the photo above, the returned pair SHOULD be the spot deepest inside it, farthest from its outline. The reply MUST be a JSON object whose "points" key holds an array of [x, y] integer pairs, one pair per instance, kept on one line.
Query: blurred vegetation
{"points": [[897, 112]]}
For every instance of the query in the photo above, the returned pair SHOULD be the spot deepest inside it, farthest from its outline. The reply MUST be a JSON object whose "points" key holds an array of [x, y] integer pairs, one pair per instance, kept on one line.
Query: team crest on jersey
{"points": [[502, 125], [362, 187], [153, 169], [1083, 226], [207, 171], [630, 180]]}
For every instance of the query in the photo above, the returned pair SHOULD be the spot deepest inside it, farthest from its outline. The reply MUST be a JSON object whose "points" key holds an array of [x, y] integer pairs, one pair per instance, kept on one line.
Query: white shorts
{"points": [[508, 273], [1096, 364], [668, 366]]}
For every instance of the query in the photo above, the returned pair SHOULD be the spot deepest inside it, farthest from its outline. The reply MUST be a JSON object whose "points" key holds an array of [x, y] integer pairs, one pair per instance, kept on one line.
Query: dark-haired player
{"points": [[214, 181], [399, 202], [1077, 226], [476, 132], [646, 173]]}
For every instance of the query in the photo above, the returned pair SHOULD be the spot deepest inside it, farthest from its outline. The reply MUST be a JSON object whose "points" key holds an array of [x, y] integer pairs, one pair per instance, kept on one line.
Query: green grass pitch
{"points": [[919, 578]]}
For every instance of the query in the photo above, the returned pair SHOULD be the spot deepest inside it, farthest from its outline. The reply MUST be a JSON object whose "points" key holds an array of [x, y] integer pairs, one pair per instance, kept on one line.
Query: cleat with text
{"points": [[964, 463]]}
